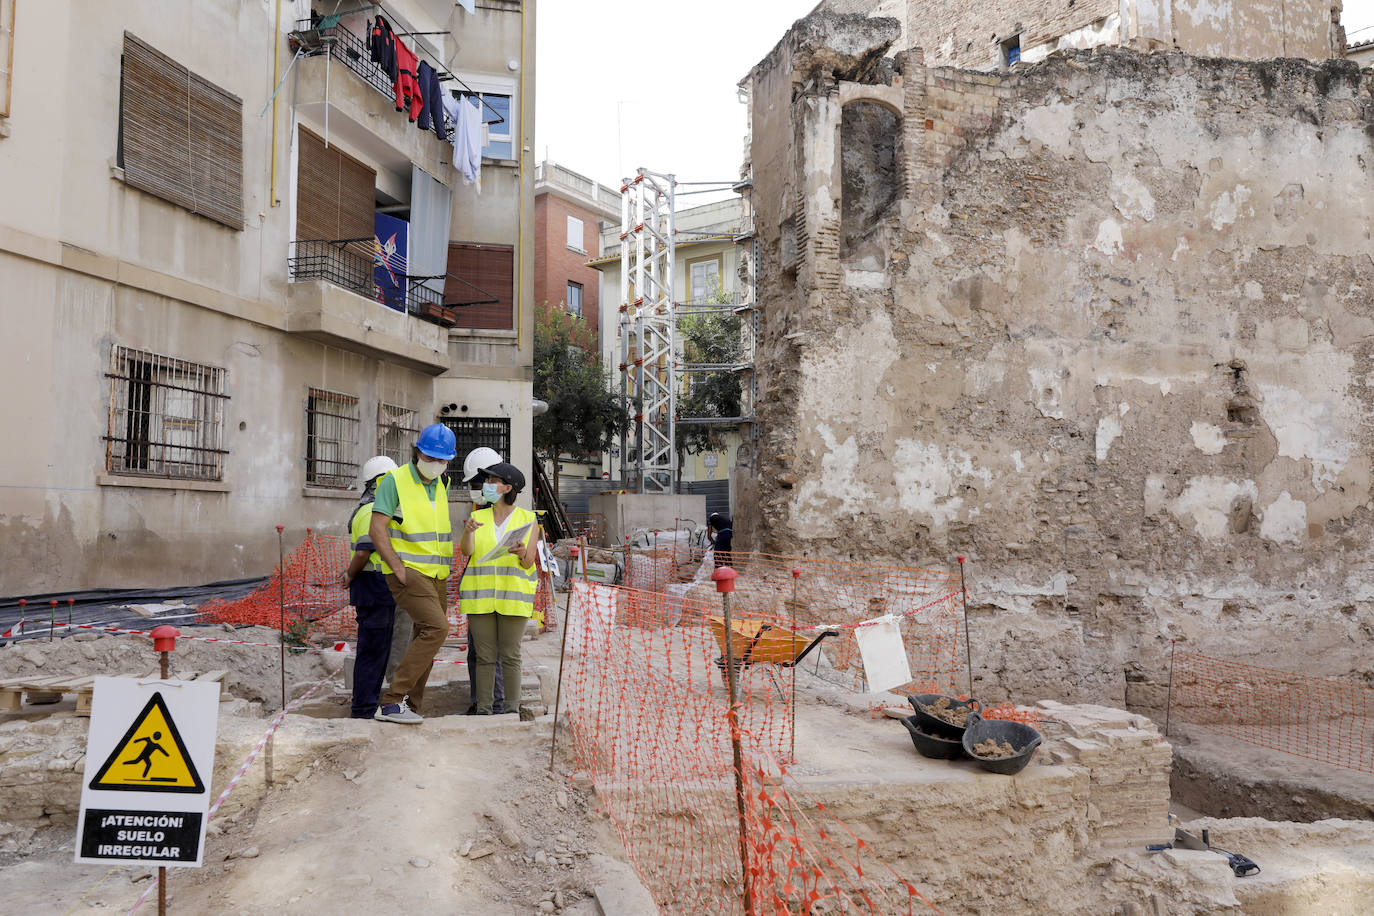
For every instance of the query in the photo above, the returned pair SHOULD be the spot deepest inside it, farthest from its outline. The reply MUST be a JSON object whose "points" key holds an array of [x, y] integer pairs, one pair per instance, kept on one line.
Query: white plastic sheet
{"points": [[884, 655]]}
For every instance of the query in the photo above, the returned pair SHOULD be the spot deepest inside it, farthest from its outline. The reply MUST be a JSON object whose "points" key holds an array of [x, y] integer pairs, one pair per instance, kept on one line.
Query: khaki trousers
{"points": [[426, 601], [497, 636]]}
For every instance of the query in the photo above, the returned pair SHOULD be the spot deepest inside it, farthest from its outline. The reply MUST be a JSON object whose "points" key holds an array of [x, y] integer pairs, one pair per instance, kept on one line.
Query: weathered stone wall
{"points": [[1117, 348], [958, 33]]}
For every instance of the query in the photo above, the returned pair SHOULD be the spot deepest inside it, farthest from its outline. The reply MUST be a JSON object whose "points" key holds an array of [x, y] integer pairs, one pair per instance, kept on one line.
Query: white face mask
{"points": [[431, 469]]}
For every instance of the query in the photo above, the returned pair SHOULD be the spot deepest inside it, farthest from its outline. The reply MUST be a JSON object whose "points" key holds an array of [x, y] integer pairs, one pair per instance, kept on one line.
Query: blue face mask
{"points": [[489, 492]]}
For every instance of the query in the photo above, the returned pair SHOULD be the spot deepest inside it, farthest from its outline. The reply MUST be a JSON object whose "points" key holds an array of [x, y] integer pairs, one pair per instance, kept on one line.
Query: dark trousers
{"points": [[499, 703], [375, 622]]}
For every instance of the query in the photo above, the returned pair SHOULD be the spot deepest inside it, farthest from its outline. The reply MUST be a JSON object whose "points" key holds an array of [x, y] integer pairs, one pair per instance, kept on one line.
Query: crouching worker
{"points": [[369, 595], [498, 593], [410, 529]]}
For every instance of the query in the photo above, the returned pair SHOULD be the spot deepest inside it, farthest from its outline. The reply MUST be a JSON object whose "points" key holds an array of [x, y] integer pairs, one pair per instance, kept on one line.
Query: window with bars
{"points": [[475, 432], [397, 429], [180, 136], [331, 438], [166, 417]]}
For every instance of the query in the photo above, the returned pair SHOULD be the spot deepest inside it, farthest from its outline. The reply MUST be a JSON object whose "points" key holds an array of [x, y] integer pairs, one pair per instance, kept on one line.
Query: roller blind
{"points": [[490, 268], [336, 195], [181, 136]]}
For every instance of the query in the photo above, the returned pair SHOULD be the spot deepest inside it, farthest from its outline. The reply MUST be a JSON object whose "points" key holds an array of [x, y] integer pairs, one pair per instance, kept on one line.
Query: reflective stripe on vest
{"points": [[500, 586], [362, 518], [422, 540]]}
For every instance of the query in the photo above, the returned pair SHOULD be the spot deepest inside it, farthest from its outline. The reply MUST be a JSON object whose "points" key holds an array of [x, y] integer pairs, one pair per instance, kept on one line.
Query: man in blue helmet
{"points": [[410, 529]]}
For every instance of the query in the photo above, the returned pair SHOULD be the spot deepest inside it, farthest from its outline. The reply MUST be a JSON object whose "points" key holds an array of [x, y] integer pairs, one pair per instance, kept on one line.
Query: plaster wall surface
{"points": [[1117, 348]]}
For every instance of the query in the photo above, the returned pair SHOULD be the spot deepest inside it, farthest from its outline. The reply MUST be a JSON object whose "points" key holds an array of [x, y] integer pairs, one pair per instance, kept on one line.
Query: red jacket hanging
{"points": [[409, 97]]}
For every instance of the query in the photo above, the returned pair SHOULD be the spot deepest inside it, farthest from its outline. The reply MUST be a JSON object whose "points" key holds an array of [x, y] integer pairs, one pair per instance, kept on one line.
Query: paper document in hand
{"points": [[512, 539]]}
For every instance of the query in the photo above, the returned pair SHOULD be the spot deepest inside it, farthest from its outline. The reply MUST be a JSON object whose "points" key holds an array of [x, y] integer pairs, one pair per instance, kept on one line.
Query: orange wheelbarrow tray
{"points": [[759, 642]]}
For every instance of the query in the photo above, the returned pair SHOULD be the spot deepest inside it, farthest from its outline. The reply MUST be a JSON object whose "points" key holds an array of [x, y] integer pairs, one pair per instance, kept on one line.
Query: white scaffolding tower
{"points": [[648, 331]]}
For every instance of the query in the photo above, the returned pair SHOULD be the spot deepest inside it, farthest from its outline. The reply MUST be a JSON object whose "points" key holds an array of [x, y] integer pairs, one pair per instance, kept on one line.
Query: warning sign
{"points": [[151, 757], [150, 754]]}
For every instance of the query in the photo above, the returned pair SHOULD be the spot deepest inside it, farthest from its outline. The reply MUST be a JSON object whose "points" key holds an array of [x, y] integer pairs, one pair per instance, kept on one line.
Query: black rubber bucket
{"points": [[933, 746], [1020, 736], [936, 726]]}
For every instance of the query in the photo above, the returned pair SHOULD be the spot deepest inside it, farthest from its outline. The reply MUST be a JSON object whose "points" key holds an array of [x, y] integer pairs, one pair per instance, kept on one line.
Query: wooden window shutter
{"points": [[336, 195], [490, 268], [181, 137]]}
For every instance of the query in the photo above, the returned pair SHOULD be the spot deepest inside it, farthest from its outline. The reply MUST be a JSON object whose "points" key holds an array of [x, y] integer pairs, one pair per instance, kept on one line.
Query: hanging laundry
{"points": [[432, 113], [409, 97], [467, 137], [381, 47]]}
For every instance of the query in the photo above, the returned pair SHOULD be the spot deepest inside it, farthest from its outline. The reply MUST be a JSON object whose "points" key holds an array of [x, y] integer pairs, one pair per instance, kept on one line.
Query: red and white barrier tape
{"points": [[247, 762]]}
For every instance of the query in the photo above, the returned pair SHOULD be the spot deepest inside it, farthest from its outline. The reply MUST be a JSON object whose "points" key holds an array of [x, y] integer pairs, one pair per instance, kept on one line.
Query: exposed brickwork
{"points": [[963, 34], [556, 265]]}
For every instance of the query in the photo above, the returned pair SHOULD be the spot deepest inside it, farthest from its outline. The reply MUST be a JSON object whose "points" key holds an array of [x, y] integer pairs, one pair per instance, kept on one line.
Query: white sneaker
{"points": [[398, 712]]}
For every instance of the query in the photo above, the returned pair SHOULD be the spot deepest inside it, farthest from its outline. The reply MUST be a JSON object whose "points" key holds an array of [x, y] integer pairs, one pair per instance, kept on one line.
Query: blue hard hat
{"points": [[436, 440]]}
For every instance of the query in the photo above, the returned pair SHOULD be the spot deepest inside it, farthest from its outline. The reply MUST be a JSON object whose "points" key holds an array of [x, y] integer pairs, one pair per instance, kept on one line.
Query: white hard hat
{"points": [[478, 458], [376, 467]]}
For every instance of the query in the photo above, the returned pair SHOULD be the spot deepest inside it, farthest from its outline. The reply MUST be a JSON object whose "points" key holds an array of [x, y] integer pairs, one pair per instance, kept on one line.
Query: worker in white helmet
{"points": [[474, 477], [370, 597]]}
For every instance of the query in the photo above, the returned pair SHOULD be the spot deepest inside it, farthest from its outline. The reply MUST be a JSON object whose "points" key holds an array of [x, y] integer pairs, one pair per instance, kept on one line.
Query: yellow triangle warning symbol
{"points": [[150, 757]]}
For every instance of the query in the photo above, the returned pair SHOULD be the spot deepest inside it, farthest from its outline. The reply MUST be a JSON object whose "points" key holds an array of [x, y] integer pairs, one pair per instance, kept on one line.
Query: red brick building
{"points": [[568, 211]]}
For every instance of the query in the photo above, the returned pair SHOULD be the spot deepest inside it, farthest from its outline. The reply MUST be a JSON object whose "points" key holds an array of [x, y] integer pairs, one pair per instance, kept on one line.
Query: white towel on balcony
{"points": [[467, 138]]}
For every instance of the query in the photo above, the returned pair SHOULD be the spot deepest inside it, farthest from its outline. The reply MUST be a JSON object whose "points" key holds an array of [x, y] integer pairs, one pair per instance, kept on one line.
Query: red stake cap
{"points": [[53, 602], [960, 558], [23, 601], [796, 574], [165, 638], [71, 601], [280, 529], [724, 578], [574, 550]]}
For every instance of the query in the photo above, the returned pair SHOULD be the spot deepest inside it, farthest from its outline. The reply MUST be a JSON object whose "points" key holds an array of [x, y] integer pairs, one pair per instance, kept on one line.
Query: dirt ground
{"points": [[458, 815], [462, 815]]}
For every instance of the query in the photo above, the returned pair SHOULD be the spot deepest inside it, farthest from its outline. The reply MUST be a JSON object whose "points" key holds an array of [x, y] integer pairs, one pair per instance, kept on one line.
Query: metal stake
{"points": [[162, 869], [281, 610], [796, 578], [267, 761], [1169, 700], [968, 655], [562, 655], [52, 617], [738, 754]]}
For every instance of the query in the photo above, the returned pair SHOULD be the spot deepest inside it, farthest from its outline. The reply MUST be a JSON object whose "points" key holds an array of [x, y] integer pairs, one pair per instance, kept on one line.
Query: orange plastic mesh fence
{"points": [[647, 709], [1313, 717], [307, 585], [814, 595]]}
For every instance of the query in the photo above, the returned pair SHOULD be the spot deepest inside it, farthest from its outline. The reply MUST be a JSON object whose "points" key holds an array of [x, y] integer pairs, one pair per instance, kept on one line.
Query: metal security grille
{"points": [[166, 417], [474, 432], [331, 439], [396, 432]]}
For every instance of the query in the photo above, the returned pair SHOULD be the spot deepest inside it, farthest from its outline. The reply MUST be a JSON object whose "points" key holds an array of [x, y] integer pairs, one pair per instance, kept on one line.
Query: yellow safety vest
{"points": [[422, 539], [500, 586], [362, 519]]}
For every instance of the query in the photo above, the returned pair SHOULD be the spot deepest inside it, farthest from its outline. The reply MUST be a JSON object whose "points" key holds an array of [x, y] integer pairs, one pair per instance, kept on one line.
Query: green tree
{"points": [[584, 414], [709, 337]]}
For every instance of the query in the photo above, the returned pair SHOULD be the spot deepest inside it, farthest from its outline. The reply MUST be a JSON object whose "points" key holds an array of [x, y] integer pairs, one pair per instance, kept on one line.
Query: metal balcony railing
{"points": [[351, 264], [348, 49], [346, 263]]}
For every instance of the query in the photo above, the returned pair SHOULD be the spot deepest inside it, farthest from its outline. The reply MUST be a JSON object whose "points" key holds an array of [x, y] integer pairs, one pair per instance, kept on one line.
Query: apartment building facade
{"points": [[232, 271]]}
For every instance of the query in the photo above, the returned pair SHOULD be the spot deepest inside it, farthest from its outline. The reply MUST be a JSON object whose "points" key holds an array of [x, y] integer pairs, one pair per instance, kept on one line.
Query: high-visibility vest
{"points": [[422, 539], [362, 519], [500, 586]]}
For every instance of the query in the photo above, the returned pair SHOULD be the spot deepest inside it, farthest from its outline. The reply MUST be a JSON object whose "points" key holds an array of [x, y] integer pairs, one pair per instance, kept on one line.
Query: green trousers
{"points": [[497, 636]]}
